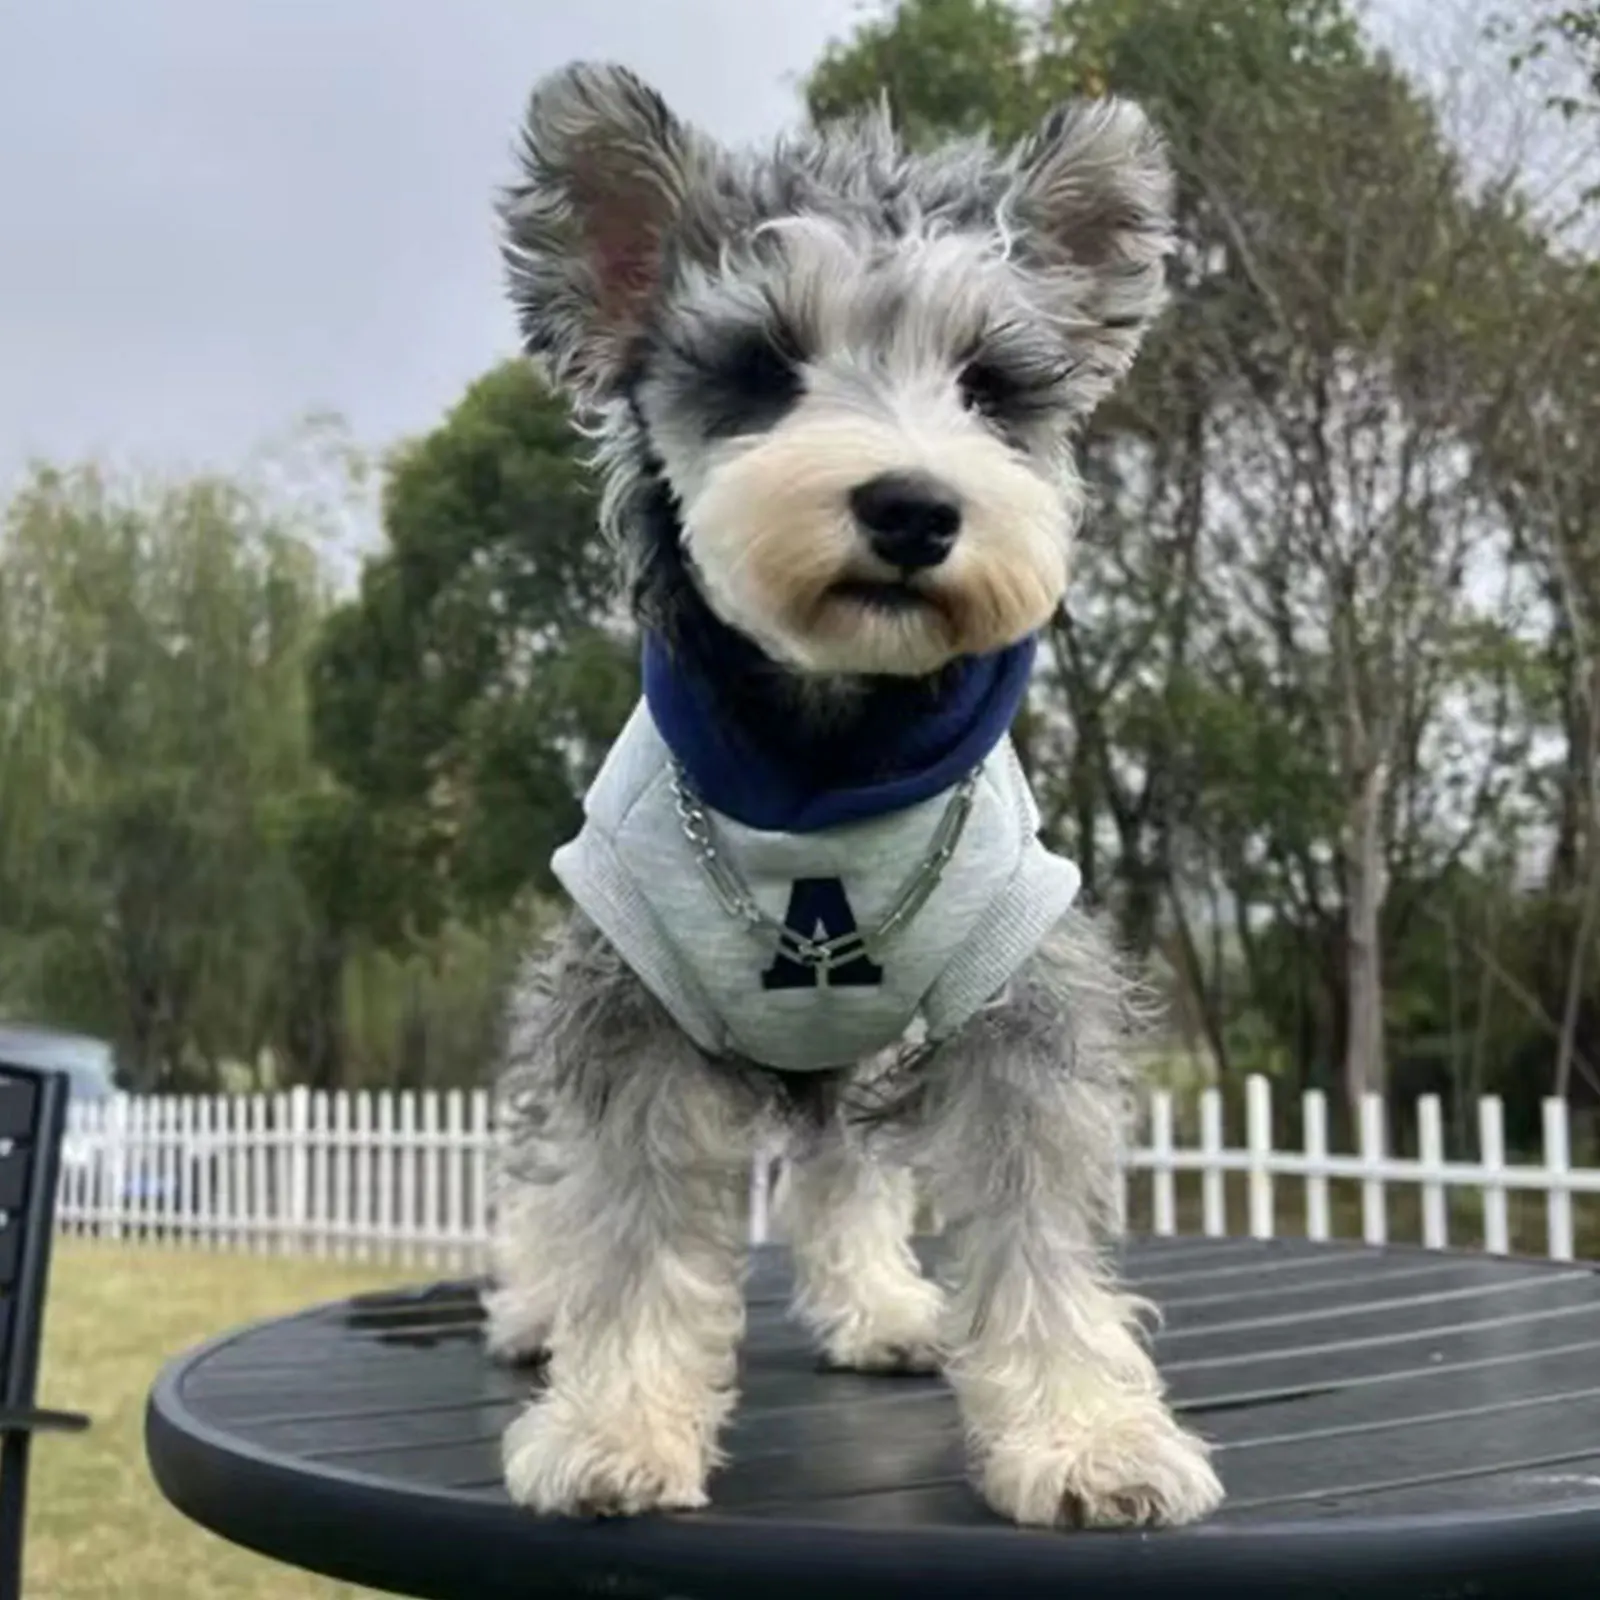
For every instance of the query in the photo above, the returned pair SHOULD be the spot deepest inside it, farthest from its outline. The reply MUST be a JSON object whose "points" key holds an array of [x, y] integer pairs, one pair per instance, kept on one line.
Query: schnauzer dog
{"points": [[833, 388]]}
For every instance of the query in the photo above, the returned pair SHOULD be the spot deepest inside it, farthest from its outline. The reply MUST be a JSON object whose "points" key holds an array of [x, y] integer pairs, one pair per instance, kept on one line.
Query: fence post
{"points": [[1430, 1156], [206, 1169], [1374, 1195], [114, 1168], [1314, 1136], [484, 1129], [1557, 1165], [761, 1197], [1213, 1190], [364, 1178], [164, 1162], [1164, 1200], [188, 1204], [259, 1150], [385, 1174], [318, 1162], [1258, 1139], [71, 1171], [278, 1152], [343, 1168], [1492, 1151], [406, 1190], [299, 1135], [432, 1159], [455, 1187], [230, 1118]]}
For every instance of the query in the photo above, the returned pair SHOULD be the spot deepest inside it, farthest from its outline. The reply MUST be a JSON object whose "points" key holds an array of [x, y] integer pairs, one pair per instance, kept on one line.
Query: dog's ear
{"points": [[606, 169], [1093, 193]]}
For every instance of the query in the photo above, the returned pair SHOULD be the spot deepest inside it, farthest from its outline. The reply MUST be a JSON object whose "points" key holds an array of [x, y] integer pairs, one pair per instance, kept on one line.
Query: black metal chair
{"points": [[33, 1116]]}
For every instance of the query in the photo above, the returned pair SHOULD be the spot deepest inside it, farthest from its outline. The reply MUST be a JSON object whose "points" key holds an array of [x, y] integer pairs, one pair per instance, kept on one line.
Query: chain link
{"points": [[735, 898]]}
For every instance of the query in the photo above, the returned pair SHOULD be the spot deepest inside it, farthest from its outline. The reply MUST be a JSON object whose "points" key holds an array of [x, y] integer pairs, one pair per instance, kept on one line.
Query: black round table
{"points": [[1387, 1422]]}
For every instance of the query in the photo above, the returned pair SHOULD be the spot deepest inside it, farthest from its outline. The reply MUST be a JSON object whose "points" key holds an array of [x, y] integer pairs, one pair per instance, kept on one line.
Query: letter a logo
{"points": [[819, 909]]}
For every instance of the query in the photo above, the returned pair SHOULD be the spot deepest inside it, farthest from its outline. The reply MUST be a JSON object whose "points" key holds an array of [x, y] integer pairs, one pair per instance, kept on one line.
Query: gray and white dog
{"points": [[834, 387]]}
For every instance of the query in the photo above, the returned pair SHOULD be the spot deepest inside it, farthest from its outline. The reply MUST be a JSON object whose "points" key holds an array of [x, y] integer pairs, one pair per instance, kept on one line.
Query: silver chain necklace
{"points": [[735, 898]]}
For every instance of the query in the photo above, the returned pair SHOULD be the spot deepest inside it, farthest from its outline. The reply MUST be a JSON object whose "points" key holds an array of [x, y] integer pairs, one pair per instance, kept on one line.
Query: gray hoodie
{"points": [[743, 990]]}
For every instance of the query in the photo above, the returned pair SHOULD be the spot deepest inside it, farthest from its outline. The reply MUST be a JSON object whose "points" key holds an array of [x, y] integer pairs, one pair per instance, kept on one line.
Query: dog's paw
{"points": [[511, 1332], [1126, 1465], [899, 1334], [556, 1464], [882, 1357]]}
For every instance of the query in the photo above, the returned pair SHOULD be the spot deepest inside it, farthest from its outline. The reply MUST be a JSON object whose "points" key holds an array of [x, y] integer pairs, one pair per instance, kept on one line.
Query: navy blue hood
{"points": [[720, 705]]}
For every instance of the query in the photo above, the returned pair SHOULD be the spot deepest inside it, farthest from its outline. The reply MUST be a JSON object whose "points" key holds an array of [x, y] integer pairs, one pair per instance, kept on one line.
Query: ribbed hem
{"points": [[589, 870], [1018, 921]]}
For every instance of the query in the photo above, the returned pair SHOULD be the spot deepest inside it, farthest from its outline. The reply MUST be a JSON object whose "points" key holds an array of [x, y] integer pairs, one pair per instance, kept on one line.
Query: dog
{"points": [[833, 388]]}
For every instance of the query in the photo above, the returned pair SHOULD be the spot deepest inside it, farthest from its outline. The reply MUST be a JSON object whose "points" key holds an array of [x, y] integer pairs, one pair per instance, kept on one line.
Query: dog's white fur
{"points": [[1004, 578], [619, 1248], [643, 1334], [847, 1216], [619, 1237]]}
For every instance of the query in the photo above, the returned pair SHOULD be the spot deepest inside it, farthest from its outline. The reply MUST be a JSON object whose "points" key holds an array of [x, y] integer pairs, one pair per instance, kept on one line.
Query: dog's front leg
{"points": [[848, 1217], [1060, 1398], [633, 1210]]}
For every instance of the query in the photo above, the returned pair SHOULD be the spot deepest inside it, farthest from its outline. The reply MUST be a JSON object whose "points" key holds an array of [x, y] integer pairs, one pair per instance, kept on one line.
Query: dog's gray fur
{"points": [[703, 306]]}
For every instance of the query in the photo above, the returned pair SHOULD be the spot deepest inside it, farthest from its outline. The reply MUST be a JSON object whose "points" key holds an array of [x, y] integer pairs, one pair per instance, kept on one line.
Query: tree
{"points": [[1547, 477], [1277, 680], [154, 728], [1121, 655], [464, 698]]}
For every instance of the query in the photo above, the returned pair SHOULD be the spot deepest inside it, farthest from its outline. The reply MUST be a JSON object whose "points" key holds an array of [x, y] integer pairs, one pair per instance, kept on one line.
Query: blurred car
{"points": [[89, 1063], [90, 1067]]}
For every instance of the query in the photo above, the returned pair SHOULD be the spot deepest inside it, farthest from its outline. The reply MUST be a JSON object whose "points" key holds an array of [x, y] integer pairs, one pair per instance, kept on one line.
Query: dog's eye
{"points": [[747, 384], [1011, 392], [987, 388], [760, 370]]}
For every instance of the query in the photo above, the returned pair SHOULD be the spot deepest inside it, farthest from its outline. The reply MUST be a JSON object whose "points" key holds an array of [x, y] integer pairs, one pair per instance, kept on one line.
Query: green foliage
{"points": [[433, 1016], [1272, 625], [154, 711], [961, 66], [943, 66], [176, 871], [464, 697]]}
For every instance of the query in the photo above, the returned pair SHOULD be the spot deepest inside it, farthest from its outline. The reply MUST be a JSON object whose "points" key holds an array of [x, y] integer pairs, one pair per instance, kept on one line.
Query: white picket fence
{"points": [[406, 1176], [363, 1176]]}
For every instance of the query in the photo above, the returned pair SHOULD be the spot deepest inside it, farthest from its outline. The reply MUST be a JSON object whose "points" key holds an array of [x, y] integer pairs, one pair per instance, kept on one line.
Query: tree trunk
{"points": [[1363, 1060], [1578, 966], [1192, 974], [1143, 886], [1578, 969], [308, 1032]]}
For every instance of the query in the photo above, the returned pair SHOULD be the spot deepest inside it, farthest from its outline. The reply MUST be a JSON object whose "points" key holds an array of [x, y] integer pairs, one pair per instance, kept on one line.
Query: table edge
{"points": [[251, 1496]]}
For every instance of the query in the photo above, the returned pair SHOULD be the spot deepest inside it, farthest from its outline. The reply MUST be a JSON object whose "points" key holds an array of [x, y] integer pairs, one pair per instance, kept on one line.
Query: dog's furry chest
{"points": [[742, 986]]}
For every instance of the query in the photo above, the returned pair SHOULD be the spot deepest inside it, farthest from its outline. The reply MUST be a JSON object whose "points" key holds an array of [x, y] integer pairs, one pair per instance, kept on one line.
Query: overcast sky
{"points": [[218, 214]]}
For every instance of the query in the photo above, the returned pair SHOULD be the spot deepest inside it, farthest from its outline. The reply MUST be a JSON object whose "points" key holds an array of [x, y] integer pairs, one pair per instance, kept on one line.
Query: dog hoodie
{"points": [[820, 869]]}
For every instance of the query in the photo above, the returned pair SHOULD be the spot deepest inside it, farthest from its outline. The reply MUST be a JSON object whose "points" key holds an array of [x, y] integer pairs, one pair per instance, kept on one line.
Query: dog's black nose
{"points": [[911, 518]]}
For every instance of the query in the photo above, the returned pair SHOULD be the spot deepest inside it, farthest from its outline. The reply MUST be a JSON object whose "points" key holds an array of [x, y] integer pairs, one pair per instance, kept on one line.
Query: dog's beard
{"points": [[780, 557]]}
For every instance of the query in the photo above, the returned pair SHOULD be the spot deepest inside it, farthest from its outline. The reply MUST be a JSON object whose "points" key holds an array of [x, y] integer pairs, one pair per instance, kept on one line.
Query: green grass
{"points": [[97, 1527]]}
